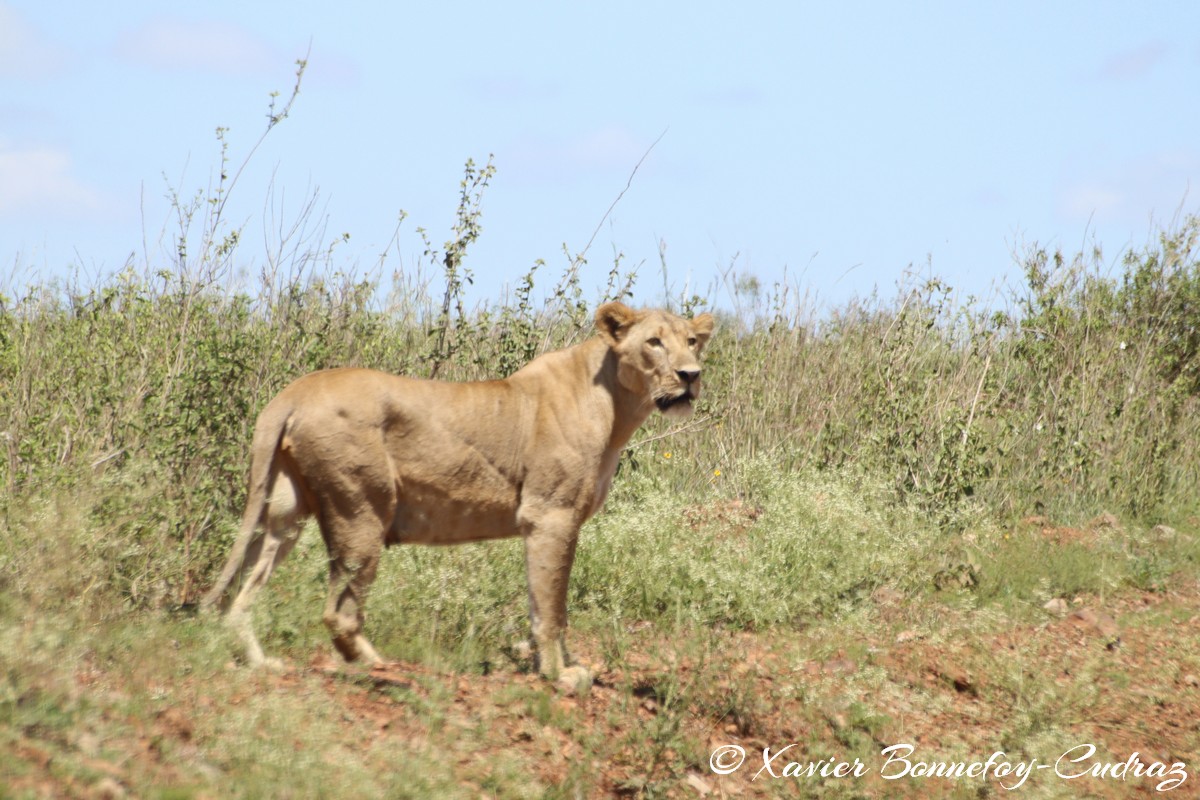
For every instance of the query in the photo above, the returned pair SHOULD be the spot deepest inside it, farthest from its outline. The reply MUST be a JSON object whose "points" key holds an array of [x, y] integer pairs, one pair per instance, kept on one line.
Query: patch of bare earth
{"points": [[954, 695], [1118, 673]]}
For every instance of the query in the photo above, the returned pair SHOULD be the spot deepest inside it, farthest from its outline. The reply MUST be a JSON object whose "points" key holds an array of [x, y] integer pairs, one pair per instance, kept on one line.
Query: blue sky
{"points": [[840, 142]]}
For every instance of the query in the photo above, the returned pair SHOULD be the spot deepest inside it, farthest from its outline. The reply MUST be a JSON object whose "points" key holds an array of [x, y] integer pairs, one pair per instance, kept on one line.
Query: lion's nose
{"points": [[688, 376]]}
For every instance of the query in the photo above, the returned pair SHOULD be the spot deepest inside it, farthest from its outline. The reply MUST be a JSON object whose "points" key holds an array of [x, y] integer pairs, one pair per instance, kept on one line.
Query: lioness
{"points": [[381, 460]]}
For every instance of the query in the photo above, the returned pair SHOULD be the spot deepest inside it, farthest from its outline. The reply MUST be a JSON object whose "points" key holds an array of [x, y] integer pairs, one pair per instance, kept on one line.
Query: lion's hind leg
{"points": [[283, 520], [350, 577]]}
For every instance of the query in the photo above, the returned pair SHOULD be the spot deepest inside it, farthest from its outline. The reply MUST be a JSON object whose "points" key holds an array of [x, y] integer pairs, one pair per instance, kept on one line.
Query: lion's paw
{"points": [[575, 680], [268, 664]]}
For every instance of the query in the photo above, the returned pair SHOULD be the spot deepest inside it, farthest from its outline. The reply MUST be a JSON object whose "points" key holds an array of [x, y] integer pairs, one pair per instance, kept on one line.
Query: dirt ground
{"points": [[930, 686], [1125, 674]]}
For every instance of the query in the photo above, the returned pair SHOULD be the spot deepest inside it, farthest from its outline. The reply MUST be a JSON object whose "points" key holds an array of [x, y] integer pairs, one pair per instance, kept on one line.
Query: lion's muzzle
{"points": [[680, 400]]}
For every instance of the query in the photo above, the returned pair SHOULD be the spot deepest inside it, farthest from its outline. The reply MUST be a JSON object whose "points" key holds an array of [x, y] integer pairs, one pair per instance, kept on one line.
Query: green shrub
{"points": [[1081, 396]]}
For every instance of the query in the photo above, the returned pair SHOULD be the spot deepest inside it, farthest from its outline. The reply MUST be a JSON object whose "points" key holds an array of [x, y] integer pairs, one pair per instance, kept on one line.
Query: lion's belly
{"points": [[450, 523], [453, 512]]}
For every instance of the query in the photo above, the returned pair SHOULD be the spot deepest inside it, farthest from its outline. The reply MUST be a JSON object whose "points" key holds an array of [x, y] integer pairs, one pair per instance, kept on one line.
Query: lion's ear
{"points": [[702, 326], [613, 321]]}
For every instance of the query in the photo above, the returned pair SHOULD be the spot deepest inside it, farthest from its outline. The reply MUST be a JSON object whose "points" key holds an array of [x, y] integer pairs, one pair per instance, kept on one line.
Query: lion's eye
{"points": [[654, 341], [692, 341]]}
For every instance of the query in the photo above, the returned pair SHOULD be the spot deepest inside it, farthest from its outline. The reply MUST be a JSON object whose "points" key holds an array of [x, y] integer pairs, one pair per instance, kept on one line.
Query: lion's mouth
{"points": [[666, 403]]}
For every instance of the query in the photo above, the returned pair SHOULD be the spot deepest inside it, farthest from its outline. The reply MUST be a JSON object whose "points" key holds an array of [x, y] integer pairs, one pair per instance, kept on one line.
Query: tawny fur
{"points": [[381, 459]]}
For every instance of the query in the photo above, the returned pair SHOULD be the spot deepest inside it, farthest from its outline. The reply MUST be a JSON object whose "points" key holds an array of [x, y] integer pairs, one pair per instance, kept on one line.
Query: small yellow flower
{"points": [[666, 455], [716, 473]]}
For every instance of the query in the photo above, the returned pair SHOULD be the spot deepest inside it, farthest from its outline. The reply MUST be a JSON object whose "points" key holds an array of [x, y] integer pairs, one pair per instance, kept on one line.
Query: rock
{"points": [[1164, 533], [1058, 607], [963, 574], [108, 789], [1101, 623], [88, 744], [701, 786], [887, 596], [956, 676], [1190, 680], [839, 666], [837, 721]]}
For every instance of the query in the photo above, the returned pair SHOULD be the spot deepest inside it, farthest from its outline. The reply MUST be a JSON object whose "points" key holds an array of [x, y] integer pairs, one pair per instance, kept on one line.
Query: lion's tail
{"points": [[268, 434]]}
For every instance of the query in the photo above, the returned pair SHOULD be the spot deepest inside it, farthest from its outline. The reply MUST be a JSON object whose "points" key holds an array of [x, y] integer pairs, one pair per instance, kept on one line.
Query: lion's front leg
{"points": [[549, 553]]}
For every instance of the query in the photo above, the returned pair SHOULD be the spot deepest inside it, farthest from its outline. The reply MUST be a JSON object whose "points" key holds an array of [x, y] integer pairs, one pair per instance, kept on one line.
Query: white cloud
{"points": [[38, 180], [206, 46], [24, 52]]}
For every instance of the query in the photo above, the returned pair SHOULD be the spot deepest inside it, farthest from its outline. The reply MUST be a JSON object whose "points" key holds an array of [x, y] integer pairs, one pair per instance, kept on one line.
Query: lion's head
{"points": [[658, 354]]}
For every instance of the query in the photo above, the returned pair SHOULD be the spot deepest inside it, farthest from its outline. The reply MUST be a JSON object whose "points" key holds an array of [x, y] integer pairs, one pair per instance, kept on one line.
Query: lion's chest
{"points": [[608, 468]]}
